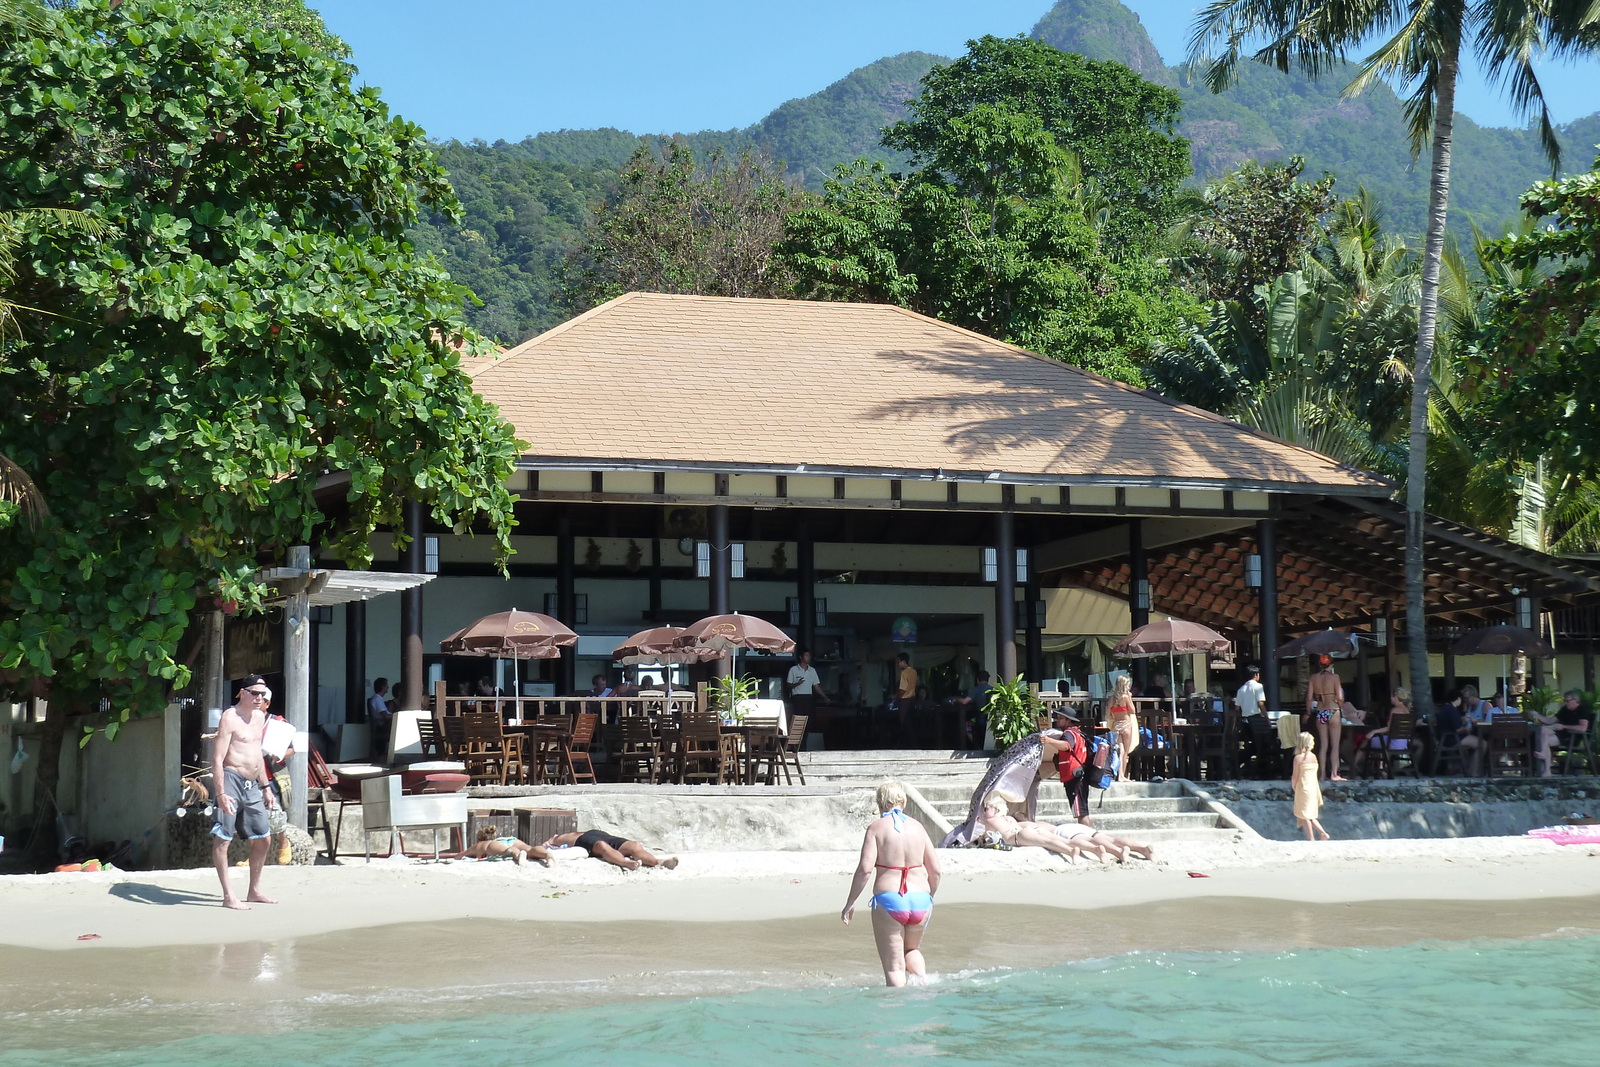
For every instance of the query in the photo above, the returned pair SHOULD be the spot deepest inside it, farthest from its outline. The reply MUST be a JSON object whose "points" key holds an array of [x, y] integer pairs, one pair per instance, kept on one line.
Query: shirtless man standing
{"points": [[239, 777]]}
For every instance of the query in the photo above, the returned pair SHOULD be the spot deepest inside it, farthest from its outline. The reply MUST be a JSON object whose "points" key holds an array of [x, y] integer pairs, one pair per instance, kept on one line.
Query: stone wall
{"points": [[1412, 808]]}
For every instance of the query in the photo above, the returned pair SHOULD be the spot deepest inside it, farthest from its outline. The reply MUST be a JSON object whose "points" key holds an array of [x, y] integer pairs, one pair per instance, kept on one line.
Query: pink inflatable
{"points": [[1568, 835]]}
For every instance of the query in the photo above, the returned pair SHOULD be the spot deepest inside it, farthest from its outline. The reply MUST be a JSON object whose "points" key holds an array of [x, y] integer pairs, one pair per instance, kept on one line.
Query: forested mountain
{"points": [[527, 200]]}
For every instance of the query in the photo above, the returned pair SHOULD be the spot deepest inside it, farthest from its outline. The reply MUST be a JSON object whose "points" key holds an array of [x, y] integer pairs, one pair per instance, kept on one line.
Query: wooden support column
{"points": [[1588, 663], [1005, 596], [355, 661], [1267, 546], [297, 679], [719, 583], [806, 585], [1363, 677], [1033, 636], [1449, 666], [566, 599], [1139, 593], [412, 695], [1536, 663], [1391, 665], [654, 611]]}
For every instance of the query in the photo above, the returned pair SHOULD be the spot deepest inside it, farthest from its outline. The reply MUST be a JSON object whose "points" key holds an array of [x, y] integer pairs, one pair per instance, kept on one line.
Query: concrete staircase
{"points": [[1148, 812]]}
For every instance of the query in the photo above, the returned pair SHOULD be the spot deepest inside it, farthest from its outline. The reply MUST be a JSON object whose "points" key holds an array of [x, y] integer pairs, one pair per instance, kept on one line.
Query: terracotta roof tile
{"points": [[651, 378]]}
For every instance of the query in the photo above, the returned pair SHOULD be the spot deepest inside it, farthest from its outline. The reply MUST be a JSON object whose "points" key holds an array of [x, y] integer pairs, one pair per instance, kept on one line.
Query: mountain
{"points": [[527, 201]]}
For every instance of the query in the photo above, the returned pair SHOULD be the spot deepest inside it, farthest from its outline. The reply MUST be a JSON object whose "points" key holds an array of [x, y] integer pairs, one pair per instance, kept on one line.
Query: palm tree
{"points": [[1423, 42]]}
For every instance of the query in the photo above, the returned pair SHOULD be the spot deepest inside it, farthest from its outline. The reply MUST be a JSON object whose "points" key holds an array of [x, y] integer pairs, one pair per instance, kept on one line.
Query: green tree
{"points": [[996, 231], [251, 327], [684, 225], [1422, 53], [1533, 369], [1119, 127]]}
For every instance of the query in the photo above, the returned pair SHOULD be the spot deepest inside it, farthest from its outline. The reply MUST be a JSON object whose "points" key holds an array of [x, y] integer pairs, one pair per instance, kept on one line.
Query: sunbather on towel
{"points": [[617, 851], [490, 845]]}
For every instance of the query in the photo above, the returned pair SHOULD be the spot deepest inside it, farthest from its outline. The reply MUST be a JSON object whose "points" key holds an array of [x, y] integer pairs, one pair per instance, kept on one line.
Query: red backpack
{"points": [[1070, 761]]}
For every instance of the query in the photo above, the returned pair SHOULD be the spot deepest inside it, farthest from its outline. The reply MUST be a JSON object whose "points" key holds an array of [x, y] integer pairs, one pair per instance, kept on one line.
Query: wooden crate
{"points": [[538, 825]]}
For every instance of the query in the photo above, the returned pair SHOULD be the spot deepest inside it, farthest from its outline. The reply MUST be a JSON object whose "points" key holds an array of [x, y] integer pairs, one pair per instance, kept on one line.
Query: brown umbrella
{"points": [[1322, 643], [513, 635], [1171, 637], [725, 633], [1502, 640], [656, 646]]}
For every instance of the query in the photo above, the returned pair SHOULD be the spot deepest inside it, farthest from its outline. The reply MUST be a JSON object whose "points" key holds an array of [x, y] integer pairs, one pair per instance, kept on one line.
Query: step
{"points": [[1134, 824]]}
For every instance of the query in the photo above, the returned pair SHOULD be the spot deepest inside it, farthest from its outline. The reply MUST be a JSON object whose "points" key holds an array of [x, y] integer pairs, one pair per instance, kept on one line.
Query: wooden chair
{"points": [[701, 753], [1155, 757], [1401, 728], [1570, 746], [575, 761], [1510, 748], [1213, 749], [790, 746], [1446, 757], [765, 750], [545, 760], [453, 731], [637, 751], [431, 738], [491, 753], [323, 781]]}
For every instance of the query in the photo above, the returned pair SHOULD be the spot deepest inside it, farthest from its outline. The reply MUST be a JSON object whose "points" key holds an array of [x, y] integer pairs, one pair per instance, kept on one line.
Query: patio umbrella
{"points": [[1171, 637], [730, 633], [514, 635], [1502, 640], [656, 646], [1328, 642]]}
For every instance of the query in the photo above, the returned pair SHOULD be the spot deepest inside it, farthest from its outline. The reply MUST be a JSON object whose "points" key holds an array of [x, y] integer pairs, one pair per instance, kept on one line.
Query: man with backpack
{"points": [[1073, 758]]}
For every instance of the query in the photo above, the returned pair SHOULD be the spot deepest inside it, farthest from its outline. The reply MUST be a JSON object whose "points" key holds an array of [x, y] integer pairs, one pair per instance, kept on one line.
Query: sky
{"points": [[505, 69]]}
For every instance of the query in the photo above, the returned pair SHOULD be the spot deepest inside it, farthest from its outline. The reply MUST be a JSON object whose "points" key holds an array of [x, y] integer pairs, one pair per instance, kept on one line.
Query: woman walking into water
{"points": [[1123, 722], [899, 857], [1307, 791]]}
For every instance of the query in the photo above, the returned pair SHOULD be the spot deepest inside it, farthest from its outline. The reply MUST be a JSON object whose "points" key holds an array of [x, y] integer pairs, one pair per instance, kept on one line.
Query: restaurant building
{"points": [[877, 481]]}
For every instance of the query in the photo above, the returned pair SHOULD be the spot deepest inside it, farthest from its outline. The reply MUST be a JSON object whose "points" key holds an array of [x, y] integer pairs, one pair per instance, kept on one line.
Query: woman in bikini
{"points": [[1325, 700], [899, 857], [491, 845], [997, 819], [1123, 722]]}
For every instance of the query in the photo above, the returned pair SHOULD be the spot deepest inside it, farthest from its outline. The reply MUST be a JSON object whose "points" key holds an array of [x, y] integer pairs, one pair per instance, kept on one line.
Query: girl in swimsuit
{"points": [[1124, 723], [491, 845], [899, 857], [996, 817], [1325, 696]]}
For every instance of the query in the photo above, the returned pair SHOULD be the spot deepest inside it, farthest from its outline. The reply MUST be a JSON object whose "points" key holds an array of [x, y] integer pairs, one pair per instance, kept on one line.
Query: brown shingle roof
{"points": [[740, 384]]}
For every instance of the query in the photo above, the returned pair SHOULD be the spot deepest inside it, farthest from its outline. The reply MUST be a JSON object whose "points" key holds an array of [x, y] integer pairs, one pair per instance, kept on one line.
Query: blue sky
{"points": [[509, 68]]}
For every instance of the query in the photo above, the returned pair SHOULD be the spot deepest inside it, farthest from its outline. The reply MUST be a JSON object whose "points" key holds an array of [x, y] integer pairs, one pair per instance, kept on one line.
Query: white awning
{"points": [[342, 587]]}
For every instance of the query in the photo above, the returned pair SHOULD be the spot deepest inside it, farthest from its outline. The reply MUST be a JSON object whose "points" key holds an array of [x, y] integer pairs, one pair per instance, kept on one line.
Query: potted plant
{"points": [[1013, 711], [728, 694]]}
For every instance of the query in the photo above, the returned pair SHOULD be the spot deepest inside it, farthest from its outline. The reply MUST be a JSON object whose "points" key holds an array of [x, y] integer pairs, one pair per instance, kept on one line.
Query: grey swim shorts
{"points": [[249, 818]]}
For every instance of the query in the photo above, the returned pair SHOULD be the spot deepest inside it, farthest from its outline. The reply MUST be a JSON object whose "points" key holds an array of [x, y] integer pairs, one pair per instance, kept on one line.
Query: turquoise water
{"points": [[1457, 1004]]}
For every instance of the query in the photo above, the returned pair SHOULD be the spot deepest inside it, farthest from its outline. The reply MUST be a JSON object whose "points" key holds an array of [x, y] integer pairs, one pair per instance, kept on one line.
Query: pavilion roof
{"points": [[652, 382]]}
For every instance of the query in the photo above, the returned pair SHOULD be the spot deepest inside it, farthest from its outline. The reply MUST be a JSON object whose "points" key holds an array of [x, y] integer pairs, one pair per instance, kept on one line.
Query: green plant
{"points": [[1540, 700], [727, 694], [1013, 711]]}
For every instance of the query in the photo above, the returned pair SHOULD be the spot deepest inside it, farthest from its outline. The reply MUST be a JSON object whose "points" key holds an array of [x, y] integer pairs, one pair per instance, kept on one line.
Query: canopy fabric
{"points": [[1321, 643], [656, 646], [728, 632], [511, 634], [1171, 637], [1502, 640]]}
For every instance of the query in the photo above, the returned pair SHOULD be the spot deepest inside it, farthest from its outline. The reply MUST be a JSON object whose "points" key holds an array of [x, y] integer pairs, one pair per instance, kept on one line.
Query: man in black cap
{"points": [[239, 782]]}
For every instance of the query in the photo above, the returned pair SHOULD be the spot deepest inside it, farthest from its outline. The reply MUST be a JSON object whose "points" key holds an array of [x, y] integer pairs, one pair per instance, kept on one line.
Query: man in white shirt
{"points": [[1252, 696], [803, 686], [380, 716]]}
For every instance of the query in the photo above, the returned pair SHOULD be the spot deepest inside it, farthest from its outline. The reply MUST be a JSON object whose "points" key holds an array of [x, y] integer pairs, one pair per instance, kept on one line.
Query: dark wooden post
{"points": [[1536, 663], [720, 579], [411, 673], [1033, 640], [355, 661], [1267, 602], [1139, 593], [1005, 596], [1363, 677], [806, 585], [566, 598]]}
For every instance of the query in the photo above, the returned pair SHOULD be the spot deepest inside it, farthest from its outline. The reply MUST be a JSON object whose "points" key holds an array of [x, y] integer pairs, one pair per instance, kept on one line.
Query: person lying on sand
{"points": [[617, 851], [491, 845], [1101, 843], [1014, 833]]}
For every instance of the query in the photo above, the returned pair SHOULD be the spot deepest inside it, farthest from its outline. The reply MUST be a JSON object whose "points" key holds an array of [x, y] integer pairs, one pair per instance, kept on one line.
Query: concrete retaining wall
{"points": [[1418, 809]]}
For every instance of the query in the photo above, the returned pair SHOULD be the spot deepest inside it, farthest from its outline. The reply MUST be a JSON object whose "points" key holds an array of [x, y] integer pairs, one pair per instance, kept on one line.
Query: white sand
{"points": [[144, 909]]}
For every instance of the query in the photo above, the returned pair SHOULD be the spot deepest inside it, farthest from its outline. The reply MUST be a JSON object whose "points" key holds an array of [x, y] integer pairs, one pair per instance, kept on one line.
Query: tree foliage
{"points": [[1254, 224], [706, 226], [1119, 127], [996, 229], [251, 320], [1535, 366]]}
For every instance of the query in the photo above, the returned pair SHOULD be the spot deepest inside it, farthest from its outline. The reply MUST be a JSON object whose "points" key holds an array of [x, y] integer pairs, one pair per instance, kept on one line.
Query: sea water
{"points": [[1448, 1003]]}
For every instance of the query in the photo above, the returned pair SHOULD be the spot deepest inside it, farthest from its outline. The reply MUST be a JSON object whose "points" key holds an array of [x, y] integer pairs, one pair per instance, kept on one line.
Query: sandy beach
{"points": [[146, 909]]}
